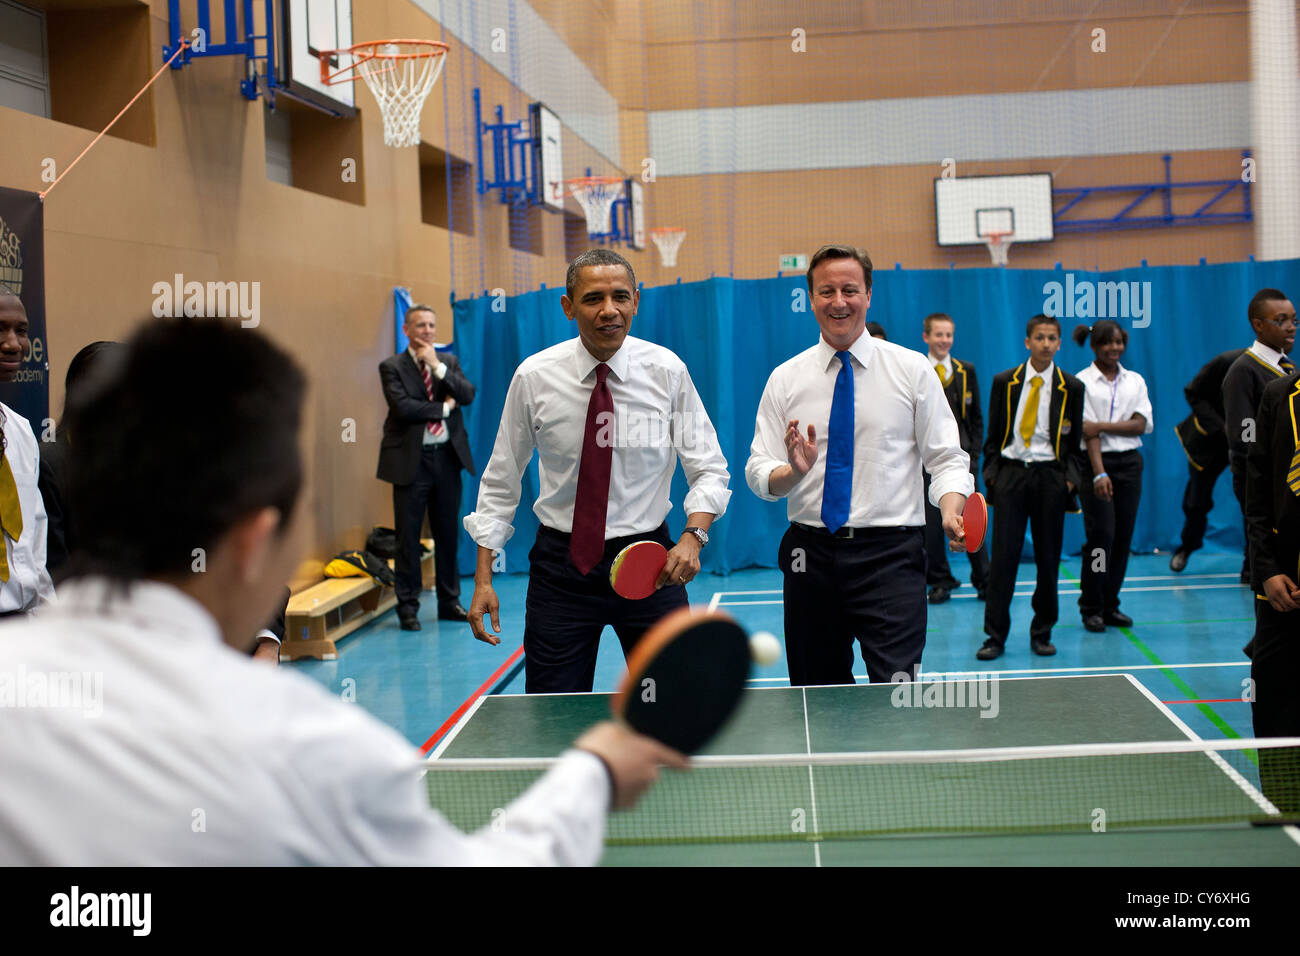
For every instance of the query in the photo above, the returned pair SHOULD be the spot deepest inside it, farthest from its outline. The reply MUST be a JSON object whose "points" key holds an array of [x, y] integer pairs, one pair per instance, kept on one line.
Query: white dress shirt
{"points": [[1040, 445], [438, 372], [658, 418], [29, 583], [1270, 355], [1117, 401], [901, 421], [170, 748]]}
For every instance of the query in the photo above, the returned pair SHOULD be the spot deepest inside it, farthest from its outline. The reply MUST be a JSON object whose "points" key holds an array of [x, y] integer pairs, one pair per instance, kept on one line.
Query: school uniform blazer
{"points": [[963, 394], [1065, 424], [1201, 433], [1272, 508]]}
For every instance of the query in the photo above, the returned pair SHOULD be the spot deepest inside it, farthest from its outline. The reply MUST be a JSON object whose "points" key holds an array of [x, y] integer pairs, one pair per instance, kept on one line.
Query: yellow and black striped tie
{"points": [[11, 513], [1293, 473]]}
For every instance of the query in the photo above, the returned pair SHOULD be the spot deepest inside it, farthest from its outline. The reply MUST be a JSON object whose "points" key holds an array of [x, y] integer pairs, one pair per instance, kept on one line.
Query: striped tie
{"points": [[1286, 365], [1293, 475], [434, 428]]}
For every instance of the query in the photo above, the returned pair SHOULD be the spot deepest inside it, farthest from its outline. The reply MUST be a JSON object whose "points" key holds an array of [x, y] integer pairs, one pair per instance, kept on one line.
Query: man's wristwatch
{"points": [[701, 535]]}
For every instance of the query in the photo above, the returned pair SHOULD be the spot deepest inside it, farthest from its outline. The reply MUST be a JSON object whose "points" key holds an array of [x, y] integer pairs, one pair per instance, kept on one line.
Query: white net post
{"points": [[668, 241]]}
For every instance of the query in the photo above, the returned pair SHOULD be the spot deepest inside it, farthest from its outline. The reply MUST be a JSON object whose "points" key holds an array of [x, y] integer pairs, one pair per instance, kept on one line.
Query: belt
{"points": [[845, 532], [1034, 464]]}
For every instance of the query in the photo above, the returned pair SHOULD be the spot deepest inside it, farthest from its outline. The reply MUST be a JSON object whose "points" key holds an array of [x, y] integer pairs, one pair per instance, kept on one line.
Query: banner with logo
{"points": [[22, 269]]}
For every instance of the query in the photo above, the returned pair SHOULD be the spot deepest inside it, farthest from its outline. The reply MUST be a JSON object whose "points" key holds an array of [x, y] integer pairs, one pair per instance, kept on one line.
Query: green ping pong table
{"points": [[1029, 712]]}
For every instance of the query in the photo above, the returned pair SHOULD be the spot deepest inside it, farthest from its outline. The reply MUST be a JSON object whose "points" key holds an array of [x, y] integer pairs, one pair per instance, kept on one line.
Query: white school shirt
{"points": [[154, 743], [1040, 445], [29, 582], [901, 421], [1117, 401], [658, 418]]}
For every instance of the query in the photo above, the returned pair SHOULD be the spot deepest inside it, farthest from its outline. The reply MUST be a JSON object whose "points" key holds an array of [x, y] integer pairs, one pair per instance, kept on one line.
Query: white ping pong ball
{"points": [[764, 648]]}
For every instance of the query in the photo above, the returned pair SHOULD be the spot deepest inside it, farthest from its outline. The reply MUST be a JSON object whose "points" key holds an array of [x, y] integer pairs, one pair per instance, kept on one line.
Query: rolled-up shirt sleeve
{"points": [[1144, 406], [938, 440], [499, 488], [767, 452], [696, 441]]}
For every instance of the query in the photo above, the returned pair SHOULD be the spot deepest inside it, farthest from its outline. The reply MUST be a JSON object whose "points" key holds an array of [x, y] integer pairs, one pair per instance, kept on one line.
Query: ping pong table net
{"points": [[820, 797]]}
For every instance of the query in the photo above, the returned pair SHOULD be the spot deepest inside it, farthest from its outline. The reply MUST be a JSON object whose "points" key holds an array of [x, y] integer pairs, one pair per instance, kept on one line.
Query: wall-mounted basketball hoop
{"points": [[668, 239], [399, 73]]}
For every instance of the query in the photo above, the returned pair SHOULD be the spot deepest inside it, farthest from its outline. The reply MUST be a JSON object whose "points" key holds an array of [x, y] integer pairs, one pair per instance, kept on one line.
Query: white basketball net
{"points": [[596, 199], [999, 245], [668, 241], [400, 86]]}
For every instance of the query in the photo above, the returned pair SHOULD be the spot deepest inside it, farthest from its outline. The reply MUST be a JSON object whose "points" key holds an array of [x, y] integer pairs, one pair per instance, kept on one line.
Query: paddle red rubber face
{"points": [[636, 568], [975, 520], [684, 679]]}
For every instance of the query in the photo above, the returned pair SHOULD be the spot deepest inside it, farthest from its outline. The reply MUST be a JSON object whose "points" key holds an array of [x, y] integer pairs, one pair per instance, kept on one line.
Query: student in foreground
{"points": [[154, 738]]}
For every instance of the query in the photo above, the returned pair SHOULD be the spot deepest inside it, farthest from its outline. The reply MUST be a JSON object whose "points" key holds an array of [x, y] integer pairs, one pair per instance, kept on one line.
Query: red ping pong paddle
{"points": [[636, 568], [684, 678], [975, 521]]}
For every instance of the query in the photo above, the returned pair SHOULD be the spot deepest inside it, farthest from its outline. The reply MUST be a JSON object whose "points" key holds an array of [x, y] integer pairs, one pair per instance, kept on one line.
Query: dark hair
{"points": [[595, 257], [191, 431], [937, 317], [1041, 319], [419, 307], [88, 360], [1256, 308], [878, 330], [1103, 331], [841, 252]]}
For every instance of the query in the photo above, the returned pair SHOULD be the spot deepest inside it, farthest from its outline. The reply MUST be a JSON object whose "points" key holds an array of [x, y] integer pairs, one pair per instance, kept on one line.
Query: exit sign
{"points": [[794, 263]]}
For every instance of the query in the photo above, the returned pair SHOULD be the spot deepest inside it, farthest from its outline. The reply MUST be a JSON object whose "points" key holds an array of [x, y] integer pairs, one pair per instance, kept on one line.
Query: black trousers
{"points": [[1275, 710], [1198, 500], [1037, 496], [938, 573], [1108, 532], [870, 587], [567, 611], [1239, 490], [436, 488]]}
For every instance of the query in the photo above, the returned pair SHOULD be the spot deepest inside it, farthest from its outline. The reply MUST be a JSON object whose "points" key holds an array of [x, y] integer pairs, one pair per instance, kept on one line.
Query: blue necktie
{"points": [[839, 450]]}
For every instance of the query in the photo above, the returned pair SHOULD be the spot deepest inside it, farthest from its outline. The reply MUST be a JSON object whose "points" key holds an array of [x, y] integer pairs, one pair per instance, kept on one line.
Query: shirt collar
{"points": [[618, 363], [1266, 352], [1047, 374], [945, 362], [1102, 375], [410, 350], [862, 349], [147, 606]]}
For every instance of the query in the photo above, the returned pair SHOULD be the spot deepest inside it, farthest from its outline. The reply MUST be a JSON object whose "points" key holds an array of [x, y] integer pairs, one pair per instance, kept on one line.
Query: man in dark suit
{"points": [[1272, 317], [422, 453], [1273, 526], [1031, 471], [962, 391], [1206, 447]]}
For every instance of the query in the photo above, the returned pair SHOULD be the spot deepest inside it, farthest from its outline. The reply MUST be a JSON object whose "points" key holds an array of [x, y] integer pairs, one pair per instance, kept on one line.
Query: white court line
{"points": [[971, 597], [713, 601], [1246, 786], [460, 725], [1113, 669], [812, 789]]}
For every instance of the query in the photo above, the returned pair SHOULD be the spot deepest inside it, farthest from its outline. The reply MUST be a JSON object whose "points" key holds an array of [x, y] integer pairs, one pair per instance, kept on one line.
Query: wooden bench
{"points": [[321, 615]]}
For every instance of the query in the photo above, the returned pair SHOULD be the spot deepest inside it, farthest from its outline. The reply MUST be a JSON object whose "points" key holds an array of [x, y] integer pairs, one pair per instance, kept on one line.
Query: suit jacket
{"points": [[1243, 386], [1201, 433], [1065, 425], [409, 410], [963, 394], [1272, 508]]}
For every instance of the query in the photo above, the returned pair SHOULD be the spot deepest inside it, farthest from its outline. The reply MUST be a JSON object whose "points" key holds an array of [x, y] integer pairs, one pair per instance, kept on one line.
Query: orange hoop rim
{"points": [[997, 238], [662, 230], [586, 182], [365, 51]]}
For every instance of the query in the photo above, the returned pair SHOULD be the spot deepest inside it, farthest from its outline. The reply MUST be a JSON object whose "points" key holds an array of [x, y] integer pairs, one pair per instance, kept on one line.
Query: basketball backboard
{"points": [[548, 160], [969, 209], [309, 27]]}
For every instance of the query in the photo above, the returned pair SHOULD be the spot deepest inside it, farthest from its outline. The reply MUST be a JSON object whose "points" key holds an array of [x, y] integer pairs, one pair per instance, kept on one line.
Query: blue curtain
{"points": [[732, 332]]}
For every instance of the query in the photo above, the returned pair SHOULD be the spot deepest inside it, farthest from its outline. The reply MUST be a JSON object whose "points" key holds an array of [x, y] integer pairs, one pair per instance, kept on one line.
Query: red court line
{"points": [[1208, 700], [469, 701]]}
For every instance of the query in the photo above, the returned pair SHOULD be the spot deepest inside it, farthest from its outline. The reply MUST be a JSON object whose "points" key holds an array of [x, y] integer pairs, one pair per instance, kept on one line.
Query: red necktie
{"points": [[434, 427], [587, 543]]}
